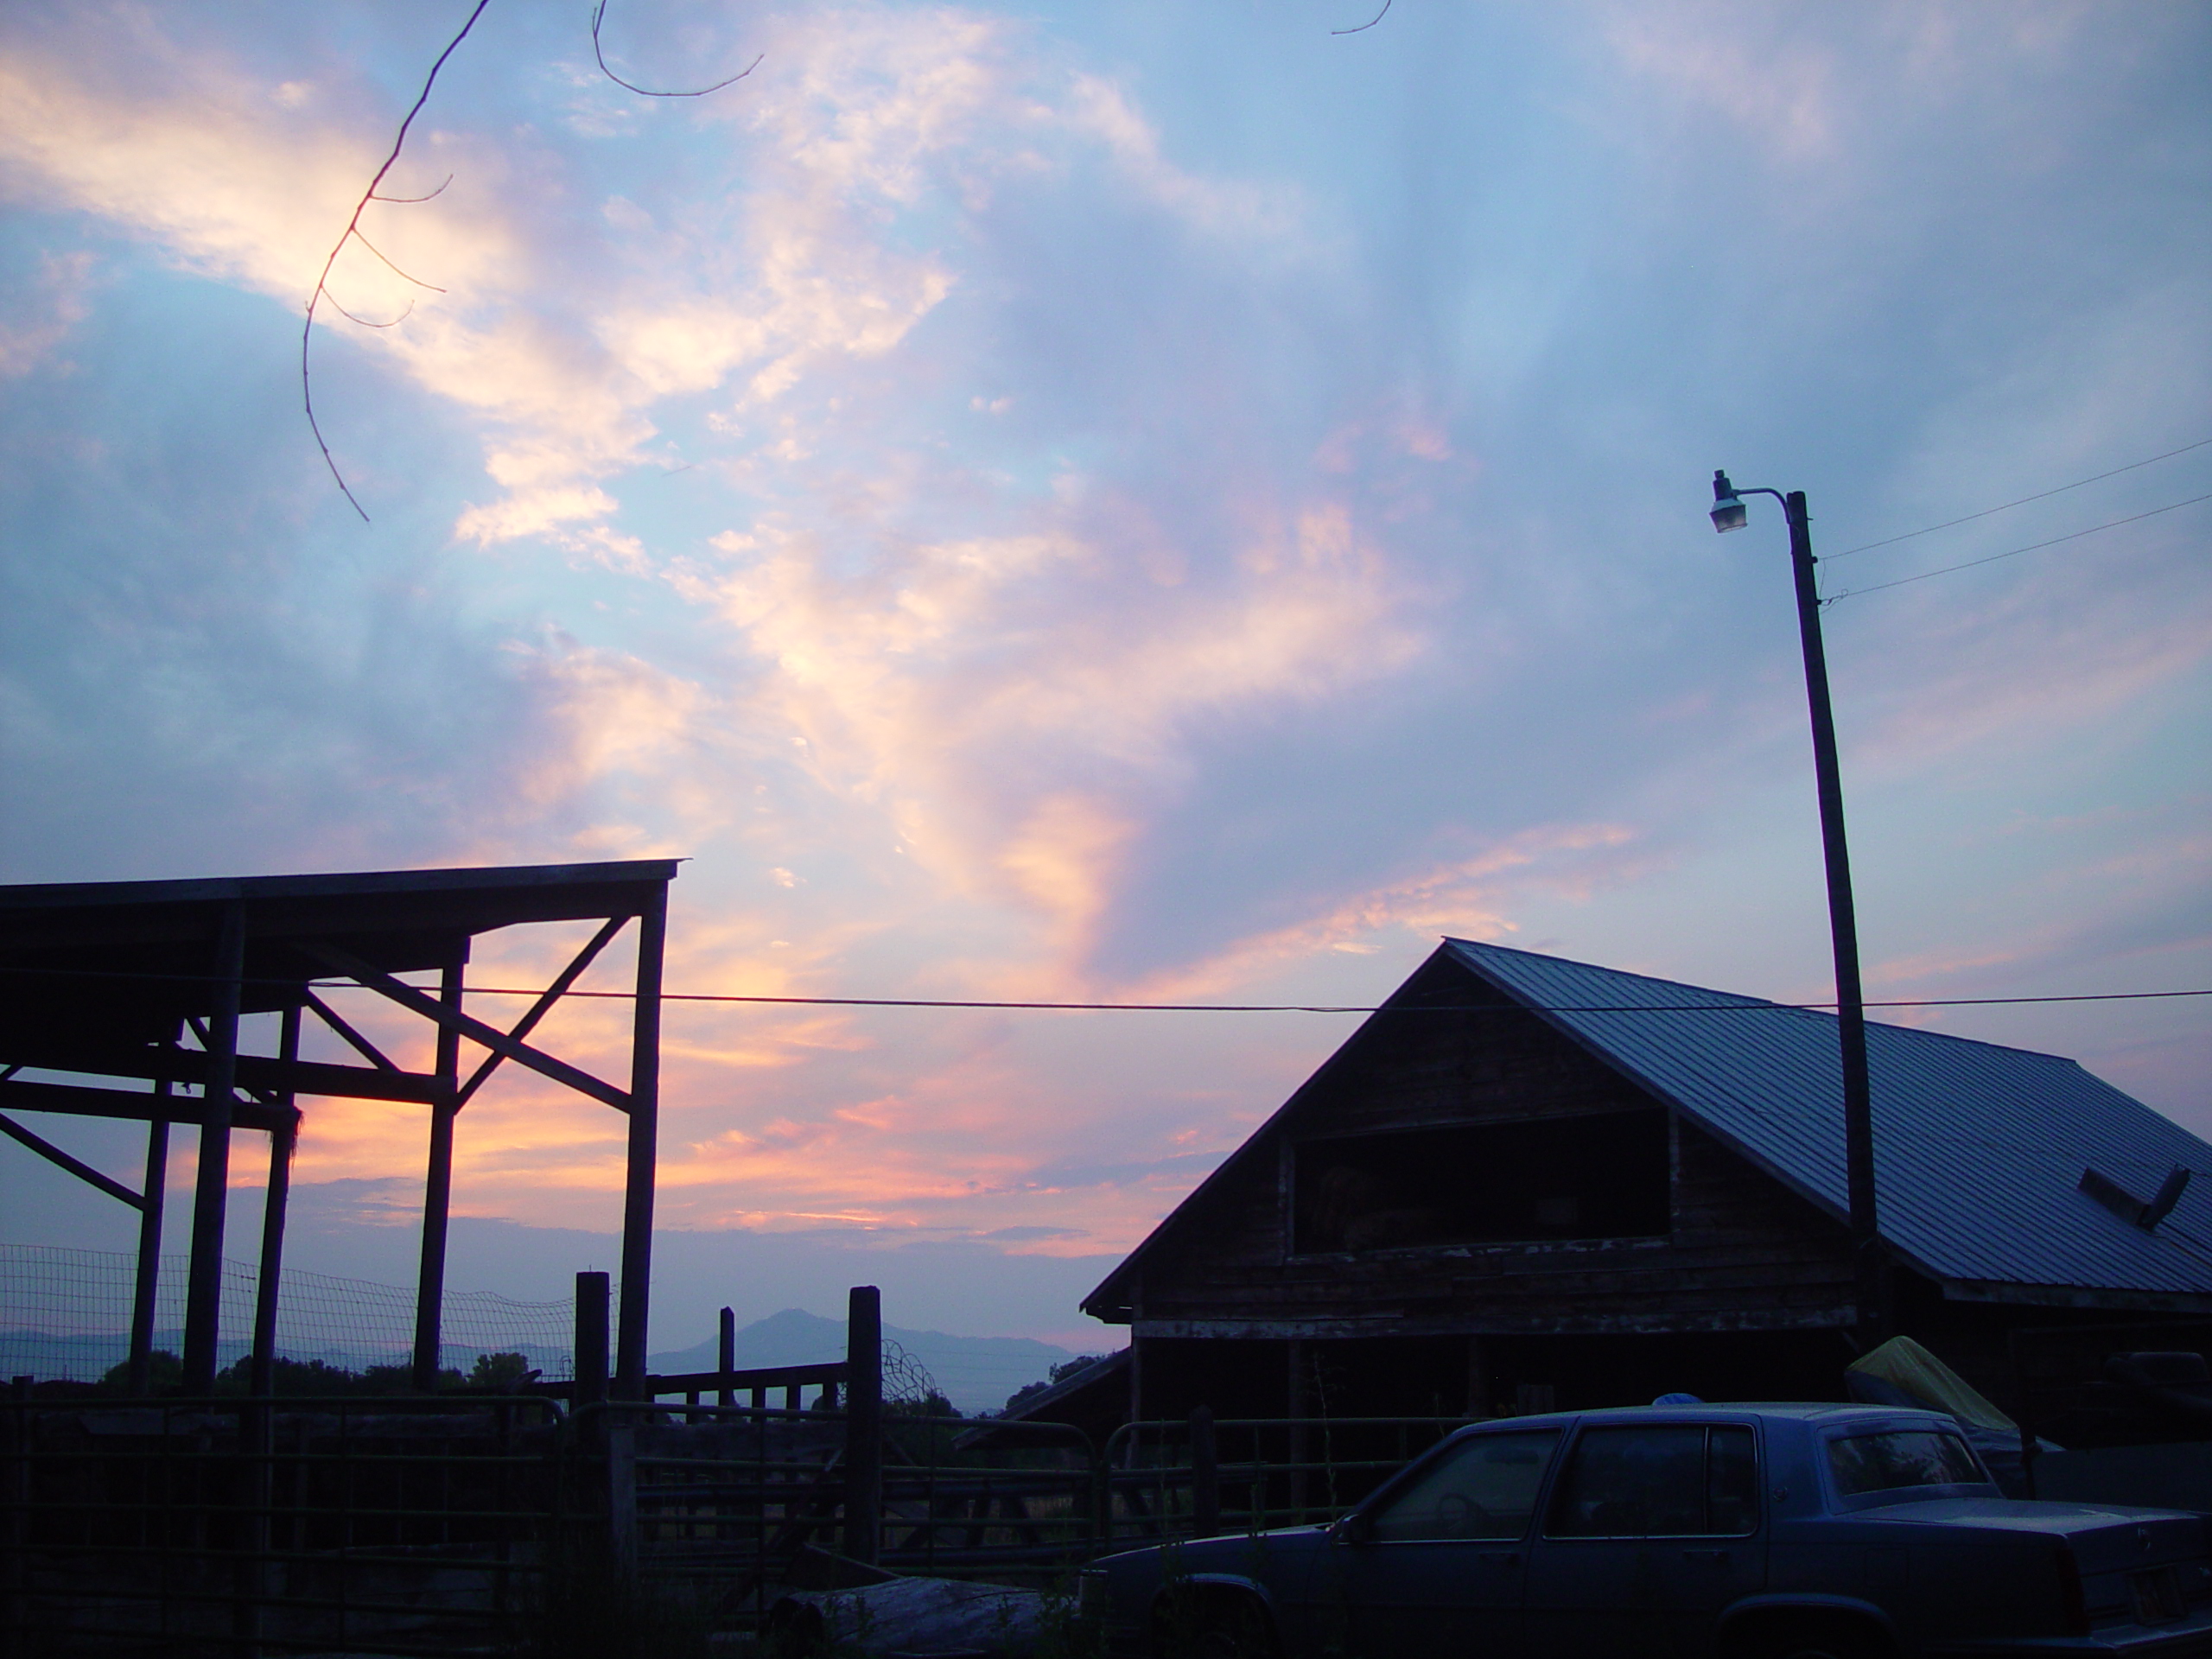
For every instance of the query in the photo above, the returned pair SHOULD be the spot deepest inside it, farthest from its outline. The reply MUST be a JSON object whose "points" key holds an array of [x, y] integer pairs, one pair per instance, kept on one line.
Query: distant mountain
{"points": [[975, 1373]]}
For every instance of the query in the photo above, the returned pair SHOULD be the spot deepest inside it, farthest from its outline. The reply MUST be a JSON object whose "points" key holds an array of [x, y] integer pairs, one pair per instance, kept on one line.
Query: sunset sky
{"points": [[1145, 501]]}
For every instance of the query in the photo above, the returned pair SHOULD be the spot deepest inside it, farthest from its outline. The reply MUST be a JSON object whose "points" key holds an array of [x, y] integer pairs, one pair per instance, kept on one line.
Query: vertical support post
{"points": [[726, 1357], [282, 1141], [591, 1340], [15, 1519], [1300, 1408], [622, 1494], [1868, 1269], [1205, 1475], [203, 1305], [863, 1422], [437, 1184], [645, 1116], [148, 1283]]}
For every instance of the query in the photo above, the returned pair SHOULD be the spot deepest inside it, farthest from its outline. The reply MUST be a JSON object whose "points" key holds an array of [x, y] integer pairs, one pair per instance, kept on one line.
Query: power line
{"points": [[1746, 1006], [1887, 541], [1367, 1008], [2071, 535]]}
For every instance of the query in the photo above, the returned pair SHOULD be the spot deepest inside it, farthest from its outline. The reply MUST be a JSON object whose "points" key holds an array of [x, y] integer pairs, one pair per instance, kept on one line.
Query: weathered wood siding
{"points": [[1744, 1252]]}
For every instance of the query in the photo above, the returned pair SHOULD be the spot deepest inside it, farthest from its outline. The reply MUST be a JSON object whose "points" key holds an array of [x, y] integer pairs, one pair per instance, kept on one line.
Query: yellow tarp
{"points": [[1903, 1364]]}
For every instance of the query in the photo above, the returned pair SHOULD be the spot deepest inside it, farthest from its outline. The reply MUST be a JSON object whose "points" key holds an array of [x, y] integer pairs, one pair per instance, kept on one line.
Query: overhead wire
{"points": [[1364, 1007], [2071, 535], [985, 1004], [2041, 495]]}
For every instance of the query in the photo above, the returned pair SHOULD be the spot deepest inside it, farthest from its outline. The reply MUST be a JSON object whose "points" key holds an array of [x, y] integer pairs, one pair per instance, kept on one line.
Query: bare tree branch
{"points": [[1368, 24], [599, 14], [352, 232], [440, 191], [364, 322], [395, 270]]}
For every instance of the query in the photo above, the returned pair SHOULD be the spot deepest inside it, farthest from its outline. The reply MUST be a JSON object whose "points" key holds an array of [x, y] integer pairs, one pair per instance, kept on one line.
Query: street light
{"points": [[1729, 513]]}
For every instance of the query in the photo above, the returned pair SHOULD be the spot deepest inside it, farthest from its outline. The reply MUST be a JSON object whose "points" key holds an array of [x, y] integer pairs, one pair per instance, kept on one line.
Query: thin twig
{"points": [[440, 191], [1368, 24], [600, 12], [353, 231], [393, 269], [364, 321]]}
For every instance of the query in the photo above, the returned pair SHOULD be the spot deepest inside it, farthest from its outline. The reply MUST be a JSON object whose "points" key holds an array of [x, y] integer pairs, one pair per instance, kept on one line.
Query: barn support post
{"points": [[437, 1184], [1205, 1475], [283, 1140], [726, 1358], [1300, 1406], [644, 1116], [147, 1285], [863, 1422], [1136, 1360], [203, 1305]]}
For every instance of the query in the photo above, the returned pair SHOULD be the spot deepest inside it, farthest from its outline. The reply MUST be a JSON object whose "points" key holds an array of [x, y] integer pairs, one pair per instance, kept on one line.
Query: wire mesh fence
{"points": [[66, 1314]]}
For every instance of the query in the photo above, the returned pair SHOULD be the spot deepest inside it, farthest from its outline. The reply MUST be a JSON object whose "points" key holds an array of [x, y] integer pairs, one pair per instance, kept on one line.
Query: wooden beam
{"points": [[437, 1186], [543, 1007], [203, 1291], [475, 1030], [78, 1100], [82, 1171], [261, 1072], [361, 1045], [643, 1157], [768, 1376]]}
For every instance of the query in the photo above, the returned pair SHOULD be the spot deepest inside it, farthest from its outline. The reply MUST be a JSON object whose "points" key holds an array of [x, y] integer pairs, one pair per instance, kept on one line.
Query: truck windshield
{"points": [[1897, 1458]]}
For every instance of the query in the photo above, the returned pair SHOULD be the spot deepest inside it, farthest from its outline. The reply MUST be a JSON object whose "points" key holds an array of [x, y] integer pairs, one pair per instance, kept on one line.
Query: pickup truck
{"points": [[1789, 1531]]}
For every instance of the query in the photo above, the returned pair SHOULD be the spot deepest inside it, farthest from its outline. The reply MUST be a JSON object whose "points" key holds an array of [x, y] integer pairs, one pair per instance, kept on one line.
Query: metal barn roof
{"points": [[1979, 1149]]}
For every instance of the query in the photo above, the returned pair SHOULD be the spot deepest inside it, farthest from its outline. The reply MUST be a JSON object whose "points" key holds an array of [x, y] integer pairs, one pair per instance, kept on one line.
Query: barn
{"points": [[1528, 1182]]}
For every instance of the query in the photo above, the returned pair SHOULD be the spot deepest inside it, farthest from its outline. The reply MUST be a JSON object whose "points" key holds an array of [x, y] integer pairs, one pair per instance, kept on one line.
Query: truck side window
{"points": [[1899, 1457], [1732, 1481], [1668, 1480], [1484, 1487]]}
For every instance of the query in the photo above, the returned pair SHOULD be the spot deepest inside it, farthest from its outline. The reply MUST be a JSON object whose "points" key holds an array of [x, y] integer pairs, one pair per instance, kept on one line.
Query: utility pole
{"points": [[1869, 1270]]}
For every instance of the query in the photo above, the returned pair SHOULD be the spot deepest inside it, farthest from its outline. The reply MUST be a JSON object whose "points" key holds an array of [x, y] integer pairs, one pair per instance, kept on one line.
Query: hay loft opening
{"points": [[1598, 1175]]}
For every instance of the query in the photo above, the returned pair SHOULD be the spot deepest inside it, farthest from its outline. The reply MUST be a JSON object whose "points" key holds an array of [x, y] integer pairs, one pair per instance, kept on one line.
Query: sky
{"points": [[1159, 501]]}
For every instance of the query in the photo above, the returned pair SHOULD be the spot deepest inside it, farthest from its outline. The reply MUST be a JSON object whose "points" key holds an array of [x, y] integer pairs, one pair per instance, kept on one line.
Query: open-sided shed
{"points": [[122, 999]]}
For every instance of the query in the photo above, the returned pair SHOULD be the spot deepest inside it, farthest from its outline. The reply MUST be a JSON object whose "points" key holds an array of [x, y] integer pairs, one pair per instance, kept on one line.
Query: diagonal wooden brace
{"points": [[475, 1030], [543, 1007], [361, 1045], [83, 1172]]}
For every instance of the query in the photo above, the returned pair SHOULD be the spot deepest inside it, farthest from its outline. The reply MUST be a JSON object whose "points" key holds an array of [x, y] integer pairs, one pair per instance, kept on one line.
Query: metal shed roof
{"points": [[1979, 1149]]}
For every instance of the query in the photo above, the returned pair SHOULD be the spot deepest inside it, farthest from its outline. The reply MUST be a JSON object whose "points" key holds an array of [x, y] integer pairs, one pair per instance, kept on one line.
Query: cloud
{"points": [[56, 305], [1044, 510], [1468, 896]]}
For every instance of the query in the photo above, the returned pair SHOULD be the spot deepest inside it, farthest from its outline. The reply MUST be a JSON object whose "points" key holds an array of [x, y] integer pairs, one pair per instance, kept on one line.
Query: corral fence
{"points": [[441, 1525], [65, 1313], [445, 1524]]}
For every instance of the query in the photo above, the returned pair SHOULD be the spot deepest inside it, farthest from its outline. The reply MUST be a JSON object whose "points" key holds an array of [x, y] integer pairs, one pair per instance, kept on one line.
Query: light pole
{"points": [[1868, 1268]]}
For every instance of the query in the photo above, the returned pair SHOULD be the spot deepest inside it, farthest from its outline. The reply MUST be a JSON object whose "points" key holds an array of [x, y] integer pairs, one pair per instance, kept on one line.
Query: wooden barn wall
{"points": [[1745, 1252]]}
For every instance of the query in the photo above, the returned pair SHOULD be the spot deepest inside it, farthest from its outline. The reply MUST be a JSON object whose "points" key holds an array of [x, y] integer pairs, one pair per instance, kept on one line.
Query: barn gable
{"points": [[1517, 1144], [1458, 1165]]}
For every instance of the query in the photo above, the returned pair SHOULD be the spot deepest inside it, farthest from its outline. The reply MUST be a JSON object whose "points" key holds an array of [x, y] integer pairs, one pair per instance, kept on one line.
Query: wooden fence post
{"points": [[863, 1422], [726, 1358], [591, 1340], [1205, 1476], [622, 1493]]}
